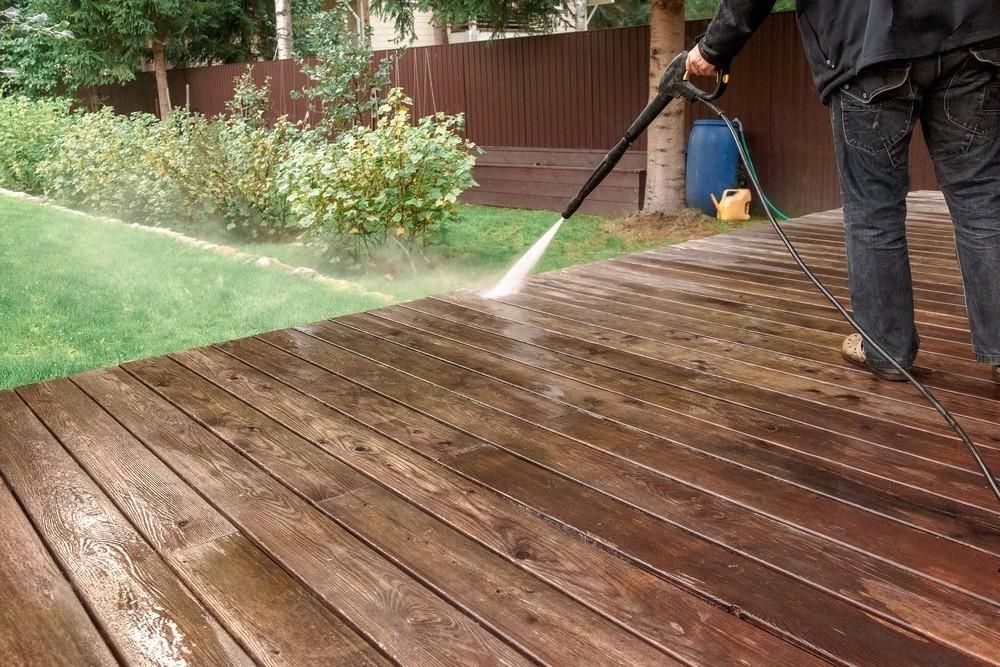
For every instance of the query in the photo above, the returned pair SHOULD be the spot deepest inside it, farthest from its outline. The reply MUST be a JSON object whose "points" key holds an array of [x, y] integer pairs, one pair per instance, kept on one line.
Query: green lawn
{"points": [[77, 293]]}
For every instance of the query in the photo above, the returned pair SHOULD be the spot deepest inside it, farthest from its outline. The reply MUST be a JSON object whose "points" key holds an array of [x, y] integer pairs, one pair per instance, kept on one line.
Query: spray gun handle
{"points": [[721, 83], [676, 81]]}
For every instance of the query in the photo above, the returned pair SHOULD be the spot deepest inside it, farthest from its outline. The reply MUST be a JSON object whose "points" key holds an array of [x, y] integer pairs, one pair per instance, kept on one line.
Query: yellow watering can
{"points": [[735, 205]]}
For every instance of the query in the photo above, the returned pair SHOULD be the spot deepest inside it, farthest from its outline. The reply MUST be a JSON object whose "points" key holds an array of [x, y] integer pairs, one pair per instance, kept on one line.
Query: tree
{"points": [[665, 137], [283, 28], [25, 41], [113, 38]]}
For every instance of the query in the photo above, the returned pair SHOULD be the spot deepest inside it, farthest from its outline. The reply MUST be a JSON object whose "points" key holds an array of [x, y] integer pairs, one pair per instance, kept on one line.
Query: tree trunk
{"points": [[665, 137], [160, 70], [283, 28]]}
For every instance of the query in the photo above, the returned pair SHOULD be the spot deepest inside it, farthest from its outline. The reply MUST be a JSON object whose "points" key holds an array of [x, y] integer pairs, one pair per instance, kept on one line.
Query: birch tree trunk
{"points": [[283, 28], [160, 72], [665, 137]]}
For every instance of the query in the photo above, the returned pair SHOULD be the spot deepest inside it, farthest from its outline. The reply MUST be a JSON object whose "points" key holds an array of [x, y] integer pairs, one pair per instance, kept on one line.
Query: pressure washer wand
{"points": [[673, 84]]}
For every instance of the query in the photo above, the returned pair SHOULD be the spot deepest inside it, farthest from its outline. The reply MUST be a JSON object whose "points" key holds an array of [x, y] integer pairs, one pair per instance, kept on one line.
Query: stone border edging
{"points": [[224, 250]]}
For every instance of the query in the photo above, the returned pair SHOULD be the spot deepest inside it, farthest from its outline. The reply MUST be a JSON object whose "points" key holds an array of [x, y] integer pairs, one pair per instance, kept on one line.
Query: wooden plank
{"points": [[488, 183], [526, 441], [566, 175], [676, 408], [795, 299], [431, 438], [775, 252], [559, 157], [835, 392], [873, 461], [168, 513], [654, 263], [729, 295], [836, 253], [270, 611], [641, 602], [544, 622], [276, 619], [542, 202], [764, 329], [605, 521], [814, 238], [398, 615], [41, 620], [147, 614], [833, 273], [937, 302], [937, 566], [523, 609]]}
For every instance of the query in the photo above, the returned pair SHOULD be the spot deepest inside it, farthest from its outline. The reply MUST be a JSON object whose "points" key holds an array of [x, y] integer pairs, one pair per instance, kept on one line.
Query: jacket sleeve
{"points": [[732, 26]]}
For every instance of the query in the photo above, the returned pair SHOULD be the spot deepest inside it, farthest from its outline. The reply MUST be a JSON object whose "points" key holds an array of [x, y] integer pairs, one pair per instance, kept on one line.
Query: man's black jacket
{"points": [[842, 37]]}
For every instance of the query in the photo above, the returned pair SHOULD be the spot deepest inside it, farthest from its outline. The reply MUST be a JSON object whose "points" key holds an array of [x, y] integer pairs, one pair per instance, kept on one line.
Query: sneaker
{"points": [[853, 351]]}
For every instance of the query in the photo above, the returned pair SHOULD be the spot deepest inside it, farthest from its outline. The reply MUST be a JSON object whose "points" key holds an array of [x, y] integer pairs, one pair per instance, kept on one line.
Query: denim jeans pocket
{"points": [[973, 98], [877, 108]]}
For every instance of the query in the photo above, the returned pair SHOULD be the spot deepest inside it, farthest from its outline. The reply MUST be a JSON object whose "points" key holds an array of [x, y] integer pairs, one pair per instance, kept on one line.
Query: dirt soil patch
{"points": [[645, 228]]}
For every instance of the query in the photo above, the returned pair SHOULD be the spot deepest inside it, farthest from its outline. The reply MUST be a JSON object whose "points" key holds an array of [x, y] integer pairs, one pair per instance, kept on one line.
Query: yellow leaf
{"points": [[400, 231]]}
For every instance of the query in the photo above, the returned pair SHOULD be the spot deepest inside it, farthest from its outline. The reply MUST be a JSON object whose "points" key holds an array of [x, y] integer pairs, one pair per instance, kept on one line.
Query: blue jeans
{"points": [[956, 98]]}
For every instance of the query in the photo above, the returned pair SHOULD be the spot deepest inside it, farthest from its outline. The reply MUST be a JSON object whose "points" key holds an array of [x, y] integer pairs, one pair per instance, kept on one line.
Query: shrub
{"points": [[114, 164], [245, 189], [228, 169], [187, 169], [345, 80], [390, 184], [29, 131]]}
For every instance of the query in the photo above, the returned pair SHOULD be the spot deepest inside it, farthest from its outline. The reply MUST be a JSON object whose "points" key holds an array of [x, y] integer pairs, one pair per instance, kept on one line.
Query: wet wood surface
{"points": [[655, 460]]}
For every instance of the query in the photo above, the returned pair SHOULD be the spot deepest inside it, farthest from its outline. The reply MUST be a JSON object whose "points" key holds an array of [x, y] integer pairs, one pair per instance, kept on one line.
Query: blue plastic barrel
{"points": [[713, 164]]}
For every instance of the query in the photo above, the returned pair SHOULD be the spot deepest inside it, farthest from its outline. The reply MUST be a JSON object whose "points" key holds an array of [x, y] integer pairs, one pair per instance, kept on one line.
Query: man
{"points": [[881, 65]]}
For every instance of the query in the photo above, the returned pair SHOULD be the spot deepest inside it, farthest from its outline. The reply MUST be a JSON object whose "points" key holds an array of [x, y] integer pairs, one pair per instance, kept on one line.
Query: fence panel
{"points": [[577, 91]]}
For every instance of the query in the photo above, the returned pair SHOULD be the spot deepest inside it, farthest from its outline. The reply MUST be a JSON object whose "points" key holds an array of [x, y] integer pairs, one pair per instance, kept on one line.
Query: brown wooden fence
{"points": [[578, 91]]}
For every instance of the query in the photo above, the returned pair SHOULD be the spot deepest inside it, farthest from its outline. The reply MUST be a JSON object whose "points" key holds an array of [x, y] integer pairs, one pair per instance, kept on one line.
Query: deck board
{"points": [[658, 459]]}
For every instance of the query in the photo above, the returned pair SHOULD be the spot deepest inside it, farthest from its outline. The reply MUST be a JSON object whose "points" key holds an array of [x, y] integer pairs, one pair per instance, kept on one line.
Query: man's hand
{"points": [[697, 65]]}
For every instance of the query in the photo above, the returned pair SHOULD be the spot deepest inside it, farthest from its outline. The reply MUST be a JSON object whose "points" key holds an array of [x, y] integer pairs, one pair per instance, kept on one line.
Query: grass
{"points": [[77, 293]]}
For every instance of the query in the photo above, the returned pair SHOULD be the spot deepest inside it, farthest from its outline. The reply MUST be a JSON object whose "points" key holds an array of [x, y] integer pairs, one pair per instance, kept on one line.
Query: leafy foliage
{"points": [[705, 9], [28, 43], [106, 162], [231, 166], [390, 184], [624, 13], [188, 169], [525, 15], [345, 82], [29, 131]]}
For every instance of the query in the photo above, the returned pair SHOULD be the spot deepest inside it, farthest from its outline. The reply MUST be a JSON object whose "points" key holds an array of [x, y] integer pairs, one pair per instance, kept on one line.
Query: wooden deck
{"points": [[655, 460]]}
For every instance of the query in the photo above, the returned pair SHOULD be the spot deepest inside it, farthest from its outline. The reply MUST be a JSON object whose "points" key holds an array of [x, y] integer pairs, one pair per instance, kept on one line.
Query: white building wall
{"points": [[384, 32]]}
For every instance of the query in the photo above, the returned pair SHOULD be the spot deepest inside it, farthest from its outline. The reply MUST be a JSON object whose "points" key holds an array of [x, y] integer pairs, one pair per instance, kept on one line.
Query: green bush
{"points": [[372, 187], [346, 83], [114, 164], [244, 190], [228, 168], [29, 131], [186, 170]]}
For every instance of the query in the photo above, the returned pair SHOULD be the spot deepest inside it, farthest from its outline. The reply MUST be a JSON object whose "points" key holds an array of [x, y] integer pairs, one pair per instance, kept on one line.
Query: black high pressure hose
{"points": [[674, 84]]}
